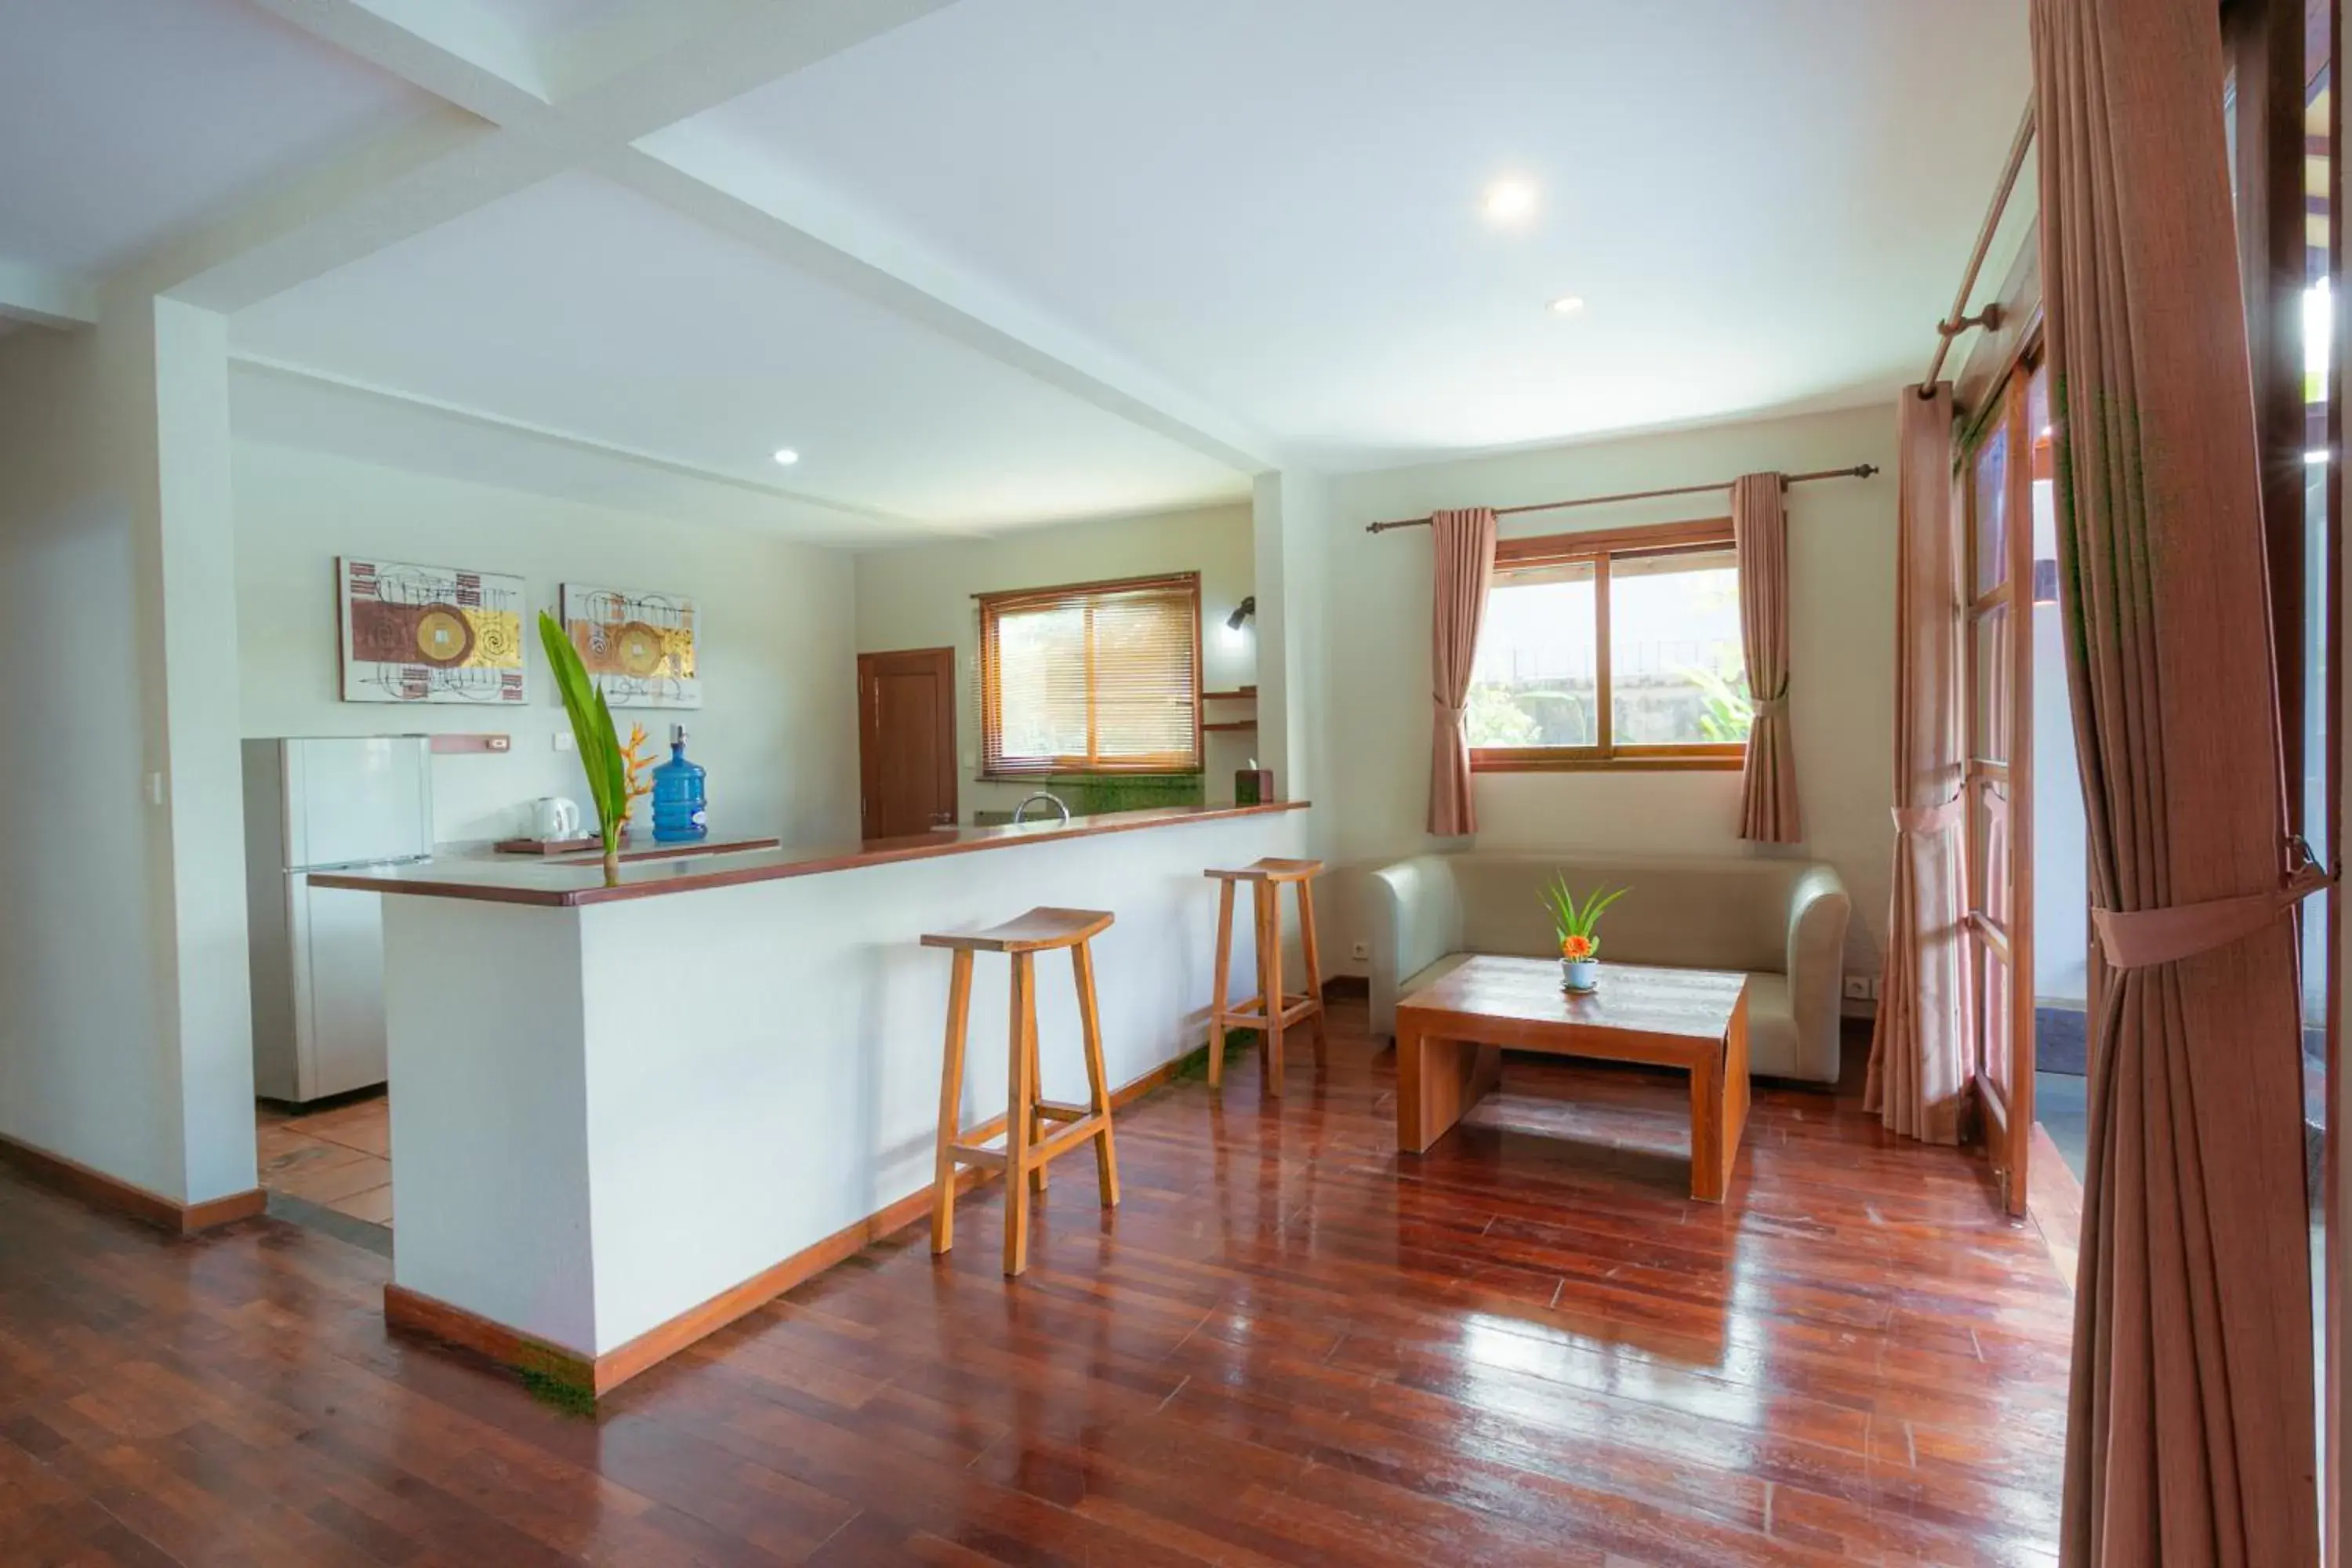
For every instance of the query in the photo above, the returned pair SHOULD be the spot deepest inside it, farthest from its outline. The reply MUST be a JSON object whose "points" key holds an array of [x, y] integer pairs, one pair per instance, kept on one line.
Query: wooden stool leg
{"points": [[1019, 1091], [1037, 1094], [1314, 963], [1082, 964], [1225, 967], [1269, 981], [943, 1190]]}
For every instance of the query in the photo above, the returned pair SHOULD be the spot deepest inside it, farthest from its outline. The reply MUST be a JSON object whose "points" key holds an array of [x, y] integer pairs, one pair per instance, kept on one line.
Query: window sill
{"points": [[1557, 762]]}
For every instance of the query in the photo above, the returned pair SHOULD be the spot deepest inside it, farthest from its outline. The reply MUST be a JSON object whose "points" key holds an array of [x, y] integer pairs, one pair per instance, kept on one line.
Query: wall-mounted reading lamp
{"points": [[1241, 612]]}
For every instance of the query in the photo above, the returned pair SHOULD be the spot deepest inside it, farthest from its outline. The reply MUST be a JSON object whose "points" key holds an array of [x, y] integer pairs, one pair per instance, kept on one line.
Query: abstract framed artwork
{"points": [[429, 633], [638, 647]]}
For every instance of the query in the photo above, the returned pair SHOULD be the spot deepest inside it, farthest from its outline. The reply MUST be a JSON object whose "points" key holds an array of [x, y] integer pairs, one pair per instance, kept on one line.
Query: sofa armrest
{"points": [[1818, 911], [1416, 920]]}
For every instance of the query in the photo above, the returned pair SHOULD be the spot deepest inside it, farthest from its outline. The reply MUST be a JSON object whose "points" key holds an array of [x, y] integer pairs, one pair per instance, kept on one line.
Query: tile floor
{"points": [[339, 1158]]}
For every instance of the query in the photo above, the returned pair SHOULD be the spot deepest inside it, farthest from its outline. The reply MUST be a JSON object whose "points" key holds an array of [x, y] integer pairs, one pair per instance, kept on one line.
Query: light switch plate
{"points": [[564, 740], [1361, 950]]}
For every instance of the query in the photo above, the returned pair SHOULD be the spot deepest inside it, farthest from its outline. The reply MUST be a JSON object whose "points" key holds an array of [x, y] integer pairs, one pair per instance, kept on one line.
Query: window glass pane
{"points": [[1145, 679], [1041, 684], [1990, 705], [1677, 673], [1988, 519], [1991, 882], [1536, 680]]}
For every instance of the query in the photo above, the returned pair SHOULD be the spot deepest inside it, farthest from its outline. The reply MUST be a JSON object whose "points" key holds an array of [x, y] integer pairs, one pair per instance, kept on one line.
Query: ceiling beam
{"points": [[497, 136], [49, 299], [828, 240], [617, 99], [281, 370]]}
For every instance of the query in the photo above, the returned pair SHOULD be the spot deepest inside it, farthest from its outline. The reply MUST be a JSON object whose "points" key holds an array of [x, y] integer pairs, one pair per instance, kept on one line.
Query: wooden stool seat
{"points": [[1028, 1146], [1267, 878], [1271, 869], [1039, 931]]}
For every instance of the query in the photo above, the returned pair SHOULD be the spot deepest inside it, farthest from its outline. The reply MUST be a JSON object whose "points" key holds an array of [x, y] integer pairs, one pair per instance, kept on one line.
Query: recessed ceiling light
{"points": [[787, 457], [1566, 305], [1507, 201]]}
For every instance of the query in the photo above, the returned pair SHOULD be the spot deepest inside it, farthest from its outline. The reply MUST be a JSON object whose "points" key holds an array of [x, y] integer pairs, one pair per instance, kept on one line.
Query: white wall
{"points": [[777, 730], [1842, 565], [125, 1040], [920, 596]]}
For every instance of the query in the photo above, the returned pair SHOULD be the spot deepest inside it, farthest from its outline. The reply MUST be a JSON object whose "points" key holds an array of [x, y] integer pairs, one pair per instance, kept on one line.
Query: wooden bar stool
{"points": [[1267, 878], [1027, 1143]]}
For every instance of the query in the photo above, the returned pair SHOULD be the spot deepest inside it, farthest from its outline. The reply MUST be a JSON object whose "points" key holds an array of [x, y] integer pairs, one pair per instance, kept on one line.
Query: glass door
{"points": [[1999, 572]]}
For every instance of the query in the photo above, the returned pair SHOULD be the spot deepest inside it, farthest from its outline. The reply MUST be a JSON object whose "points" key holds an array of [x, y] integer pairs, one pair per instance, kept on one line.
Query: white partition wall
{"points": [[636, 1105]]}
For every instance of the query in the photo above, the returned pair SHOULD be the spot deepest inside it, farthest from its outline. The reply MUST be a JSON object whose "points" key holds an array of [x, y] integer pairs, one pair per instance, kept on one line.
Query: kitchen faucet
{"points": [[1051, 799]]}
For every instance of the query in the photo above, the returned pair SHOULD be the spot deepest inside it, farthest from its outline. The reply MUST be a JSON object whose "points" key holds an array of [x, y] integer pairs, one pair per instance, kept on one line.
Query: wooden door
{"points": [[906, 742], [1998, 591]]}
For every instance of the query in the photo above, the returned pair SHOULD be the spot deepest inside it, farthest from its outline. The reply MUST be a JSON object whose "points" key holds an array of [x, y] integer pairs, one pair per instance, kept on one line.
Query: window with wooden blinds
{"points": [[1095, 677]]}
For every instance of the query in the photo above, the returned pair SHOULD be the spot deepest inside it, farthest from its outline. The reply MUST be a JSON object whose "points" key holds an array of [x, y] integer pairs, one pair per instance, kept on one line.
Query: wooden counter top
{"points": [[519, 880]]}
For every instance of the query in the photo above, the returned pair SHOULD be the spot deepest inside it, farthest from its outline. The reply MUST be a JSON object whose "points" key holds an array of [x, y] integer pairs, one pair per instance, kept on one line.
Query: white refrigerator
{"points": [[318, 952]]}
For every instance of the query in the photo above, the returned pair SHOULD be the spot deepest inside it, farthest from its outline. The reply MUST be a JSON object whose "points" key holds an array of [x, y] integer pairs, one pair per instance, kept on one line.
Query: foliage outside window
{"points": [[1612, 649], [1095, 677]]}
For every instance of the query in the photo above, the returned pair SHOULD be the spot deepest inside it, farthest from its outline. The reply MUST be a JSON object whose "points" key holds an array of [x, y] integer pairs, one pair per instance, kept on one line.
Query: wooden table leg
{"points": [[1719, 1111], [1437, 1080]]}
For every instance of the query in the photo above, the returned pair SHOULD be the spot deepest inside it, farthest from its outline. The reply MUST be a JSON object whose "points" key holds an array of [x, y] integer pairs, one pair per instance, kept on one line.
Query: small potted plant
{"points": [[1577, 924]]}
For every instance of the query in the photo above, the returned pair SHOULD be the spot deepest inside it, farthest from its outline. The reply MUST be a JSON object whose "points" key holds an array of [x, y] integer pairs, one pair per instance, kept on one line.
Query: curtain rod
{"points": [[1989, 317], [1859, 471]]}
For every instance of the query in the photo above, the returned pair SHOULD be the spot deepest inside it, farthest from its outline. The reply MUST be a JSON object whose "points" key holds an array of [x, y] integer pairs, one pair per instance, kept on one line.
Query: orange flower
{"points": [[1577, 947]]}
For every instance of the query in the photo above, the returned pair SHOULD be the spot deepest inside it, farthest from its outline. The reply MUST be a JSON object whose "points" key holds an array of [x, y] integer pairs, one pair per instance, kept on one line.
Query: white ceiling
{"points": [[582, 307], [993, 262], [123, 123], [1762, 204]]}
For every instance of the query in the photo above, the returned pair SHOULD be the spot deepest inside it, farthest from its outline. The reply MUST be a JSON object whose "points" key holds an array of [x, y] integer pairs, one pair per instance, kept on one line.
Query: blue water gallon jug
{"points": [[680, 813]]}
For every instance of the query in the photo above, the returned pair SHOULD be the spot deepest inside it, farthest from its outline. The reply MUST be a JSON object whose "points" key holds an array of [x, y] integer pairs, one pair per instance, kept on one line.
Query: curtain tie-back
{"points": [[1927, 818], [1772, 705], [2141, 939]]}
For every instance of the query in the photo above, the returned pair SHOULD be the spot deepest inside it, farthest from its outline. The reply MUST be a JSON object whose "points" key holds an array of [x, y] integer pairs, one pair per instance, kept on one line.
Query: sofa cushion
{"points": [[1715, 913], [1772, 1041]]}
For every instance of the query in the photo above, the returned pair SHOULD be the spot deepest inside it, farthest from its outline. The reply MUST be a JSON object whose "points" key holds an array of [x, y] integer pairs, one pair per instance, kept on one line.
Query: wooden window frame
{"points": [[995, 605], [1599, 546]]}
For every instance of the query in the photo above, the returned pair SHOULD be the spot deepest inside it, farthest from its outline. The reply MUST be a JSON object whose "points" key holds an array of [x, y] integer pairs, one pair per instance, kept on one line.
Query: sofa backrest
{"points": [[1711, 913]]}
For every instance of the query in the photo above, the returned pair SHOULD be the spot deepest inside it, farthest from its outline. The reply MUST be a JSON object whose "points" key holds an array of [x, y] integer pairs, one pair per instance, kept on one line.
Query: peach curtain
{"points": [[1760, 528], [2190, 1439], [1919, 1050], [1464, 544]]}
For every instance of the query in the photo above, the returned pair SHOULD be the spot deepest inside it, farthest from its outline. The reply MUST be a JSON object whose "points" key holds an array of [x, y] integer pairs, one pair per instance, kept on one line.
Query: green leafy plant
{"points": [[1578, 923], [600, 746], [1730, 712]]}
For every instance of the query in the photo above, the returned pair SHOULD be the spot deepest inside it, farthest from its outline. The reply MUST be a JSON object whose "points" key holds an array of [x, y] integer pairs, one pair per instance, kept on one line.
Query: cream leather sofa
{"points": [[1782, 921]]}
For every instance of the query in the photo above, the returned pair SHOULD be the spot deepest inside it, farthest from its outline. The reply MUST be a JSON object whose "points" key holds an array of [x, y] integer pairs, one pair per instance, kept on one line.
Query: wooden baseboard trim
{"points": [[414, 1312], [101, 1191], [578, 1375]]}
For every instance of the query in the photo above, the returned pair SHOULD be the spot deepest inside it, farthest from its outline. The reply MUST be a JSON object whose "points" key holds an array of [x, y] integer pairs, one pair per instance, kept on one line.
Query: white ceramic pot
{"points": [[1581, 974]]}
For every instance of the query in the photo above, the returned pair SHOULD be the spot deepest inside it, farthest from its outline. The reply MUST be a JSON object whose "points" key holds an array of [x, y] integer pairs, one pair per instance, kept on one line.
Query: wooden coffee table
{"points": [[1450, 1036]]}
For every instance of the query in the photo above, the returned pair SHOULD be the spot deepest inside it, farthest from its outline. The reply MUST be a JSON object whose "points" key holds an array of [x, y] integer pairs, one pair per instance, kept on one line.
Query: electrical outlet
{"points": [[1857, 987], [1361, 950], [564, 740]]}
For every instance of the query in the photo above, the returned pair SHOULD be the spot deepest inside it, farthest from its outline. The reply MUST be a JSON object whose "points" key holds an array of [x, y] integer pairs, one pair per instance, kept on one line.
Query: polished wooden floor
{"points": [[1288, 1346]]}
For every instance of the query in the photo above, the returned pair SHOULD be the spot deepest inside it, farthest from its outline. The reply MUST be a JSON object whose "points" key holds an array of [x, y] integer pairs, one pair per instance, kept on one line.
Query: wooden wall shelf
{"points": [[1240, 694], [1228, 726]]}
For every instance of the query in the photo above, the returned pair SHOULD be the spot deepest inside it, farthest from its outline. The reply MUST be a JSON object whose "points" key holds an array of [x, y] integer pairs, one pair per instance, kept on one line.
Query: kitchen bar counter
{"points": [[646, 871], [621, 1121]]}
